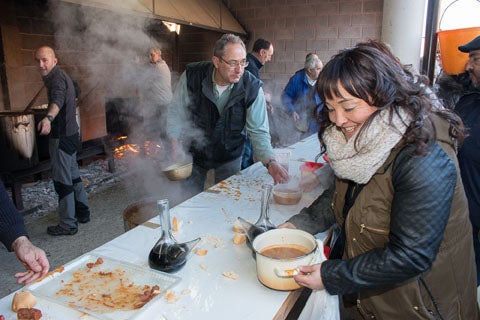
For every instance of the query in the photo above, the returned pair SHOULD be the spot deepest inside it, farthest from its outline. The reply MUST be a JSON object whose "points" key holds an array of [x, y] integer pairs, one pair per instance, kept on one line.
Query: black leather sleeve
{"points": [[424, 188], [317, 217]]}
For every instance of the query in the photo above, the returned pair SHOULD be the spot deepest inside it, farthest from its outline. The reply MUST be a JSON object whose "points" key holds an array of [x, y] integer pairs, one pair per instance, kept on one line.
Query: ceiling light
{"points": [[172, 26]]}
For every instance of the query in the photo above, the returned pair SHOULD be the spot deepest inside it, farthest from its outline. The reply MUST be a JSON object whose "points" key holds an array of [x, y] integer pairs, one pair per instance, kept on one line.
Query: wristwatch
{"points": [[49, 117], [269, 162]]}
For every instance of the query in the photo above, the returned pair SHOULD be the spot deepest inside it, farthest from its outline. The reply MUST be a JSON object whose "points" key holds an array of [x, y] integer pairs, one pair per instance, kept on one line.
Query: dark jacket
{"points": [[223, 133], [61, 91], [468, 108], [11, 221], [397, 264], [254, 65], [458, 93]]}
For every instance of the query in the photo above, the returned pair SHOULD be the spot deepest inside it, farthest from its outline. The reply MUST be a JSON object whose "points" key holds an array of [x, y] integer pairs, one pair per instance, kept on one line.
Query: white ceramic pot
{"points": [[278, 273]]}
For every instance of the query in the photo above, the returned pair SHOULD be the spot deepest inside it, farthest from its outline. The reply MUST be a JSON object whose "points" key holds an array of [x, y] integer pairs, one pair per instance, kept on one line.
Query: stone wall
{"points": [[297, 27]]}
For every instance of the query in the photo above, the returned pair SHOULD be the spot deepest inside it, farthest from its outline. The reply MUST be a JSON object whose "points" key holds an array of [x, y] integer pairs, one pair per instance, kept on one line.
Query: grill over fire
{"points": [[148, 148]]}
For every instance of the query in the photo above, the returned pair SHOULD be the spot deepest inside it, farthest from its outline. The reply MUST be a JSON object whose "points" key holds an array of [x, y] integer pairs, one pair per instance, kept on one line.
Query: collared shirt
{"points": [[256, 122], [295, 91]]}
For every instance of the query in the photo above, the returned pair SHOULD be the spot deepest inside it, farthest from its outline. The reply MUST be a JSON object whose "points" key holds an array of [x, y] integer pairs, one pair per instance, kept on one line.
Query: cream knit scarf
{"points": [[374, 147]]}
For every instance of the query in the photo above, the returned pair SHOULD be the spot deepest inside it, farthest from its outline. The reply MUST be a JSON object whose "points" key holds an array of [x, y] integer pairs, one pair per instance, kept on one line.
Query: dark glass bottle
{"points": [[167, 255]]}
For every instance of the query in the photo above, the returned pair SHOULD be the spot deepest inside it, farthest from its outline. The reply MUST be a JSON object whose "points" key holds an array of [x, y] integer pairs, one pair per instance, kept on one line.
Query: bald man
{"points": [[60, 123]]}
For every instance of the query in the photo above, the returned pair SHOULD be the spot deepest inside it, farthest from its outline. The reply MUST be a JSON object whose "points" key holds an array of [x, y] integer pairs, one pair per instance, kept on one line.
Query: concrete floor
{"points": [[107, 205]]}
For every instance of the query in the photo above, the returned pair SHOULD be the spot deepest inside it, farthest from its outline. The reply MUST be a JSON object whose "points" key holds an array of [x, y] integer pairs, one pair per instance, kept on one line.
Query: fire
{"points": [[149, 148], [124, 150]]}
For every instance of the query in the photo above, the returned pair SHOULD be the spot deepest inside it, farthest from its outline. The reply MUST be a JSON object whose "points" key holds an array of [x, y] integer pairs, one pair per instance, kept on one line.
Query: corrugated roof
{"points": [[209, 14]]}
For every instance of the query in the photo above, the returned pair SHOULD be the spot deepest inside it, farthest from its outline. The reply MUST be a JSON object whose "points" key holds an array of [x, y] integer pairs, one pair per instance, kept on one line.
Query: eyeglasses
{"points": [[234, 63]]}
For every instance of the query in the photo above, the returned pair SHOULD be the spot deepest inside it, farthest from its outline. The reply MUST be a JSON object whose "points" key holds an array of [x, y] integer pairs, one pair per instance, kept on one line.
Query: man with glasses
{"points": [[215, 105]]}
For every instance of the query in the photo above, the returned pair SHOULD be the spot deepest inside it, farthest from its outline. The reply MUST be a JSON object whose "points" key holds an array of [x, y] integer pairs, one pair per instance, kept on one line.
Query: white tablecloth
{"points": [[203, 292]]}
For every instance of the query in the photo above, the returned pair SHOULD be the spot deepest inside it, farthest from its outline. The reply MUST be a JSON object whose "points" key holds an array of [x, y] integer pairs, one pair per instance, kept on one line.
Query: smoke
{"points": [[110, 48], [282, 127]]}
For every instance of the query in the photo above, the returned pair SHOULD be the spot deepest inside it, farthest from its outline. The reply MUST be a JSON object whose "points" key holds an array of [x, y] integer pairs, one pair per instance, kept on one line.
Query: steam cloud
{"points": [[110, 48]]}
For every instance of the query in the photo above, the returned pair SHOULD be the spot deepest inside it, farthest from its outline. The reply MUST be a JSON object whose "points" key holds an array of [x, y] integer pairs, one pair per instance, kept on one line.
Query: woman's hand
{"points": [[310, 277], [287, 224]]}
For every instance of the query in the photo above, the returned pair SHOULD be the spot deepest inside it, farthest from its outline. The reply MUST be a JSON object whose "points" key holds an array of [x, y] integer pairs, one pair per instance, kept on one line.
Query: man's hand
{"points": [[44, 126], [278, 173], [270, 108], [295, 116], [32, 257]]}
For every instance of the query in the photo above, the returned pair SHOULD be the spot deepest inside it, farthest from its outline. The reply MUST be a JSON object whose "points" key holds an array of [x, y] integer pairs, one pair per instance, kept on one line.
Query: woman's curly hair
{"points": [[370, 71]]}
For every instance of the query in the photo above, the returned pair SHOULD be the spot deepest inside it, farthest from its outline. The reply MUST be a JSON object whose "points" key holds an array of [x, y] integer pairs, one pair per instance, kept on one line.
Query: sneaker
{"points": [[61, 231], [83, 219]]}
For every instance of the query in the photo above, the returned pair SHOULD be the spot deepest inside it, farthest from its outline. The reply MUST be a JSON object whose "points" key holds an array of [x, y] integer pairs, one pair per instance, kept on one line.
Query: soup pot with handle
{"points": [[291, 247]]}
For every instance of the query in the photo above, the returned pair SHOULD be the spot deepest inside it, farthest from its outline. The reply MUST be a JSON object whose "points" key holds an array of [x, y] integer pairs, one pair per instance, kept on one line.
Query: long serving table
{"points": [[203, 291]]}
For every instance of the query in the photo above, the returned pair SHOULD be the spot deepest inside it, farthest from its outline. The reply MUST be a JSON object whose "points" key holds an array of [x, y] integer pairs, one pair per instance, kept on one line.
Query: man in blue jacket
{"points": [[300, 98]]}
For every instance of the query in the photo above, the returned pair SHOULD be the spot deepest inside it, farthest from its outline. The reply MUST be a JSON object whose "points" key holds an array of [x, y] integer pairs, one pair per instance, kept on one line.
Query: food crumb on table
{"points": [[230, 274]]}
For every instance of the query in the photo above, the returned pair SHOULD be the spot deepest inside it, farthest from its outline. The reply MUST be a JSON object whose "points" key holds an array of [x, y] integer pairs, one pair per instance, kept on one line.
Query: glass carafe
{"points": [[167, 255], [263, 223]]}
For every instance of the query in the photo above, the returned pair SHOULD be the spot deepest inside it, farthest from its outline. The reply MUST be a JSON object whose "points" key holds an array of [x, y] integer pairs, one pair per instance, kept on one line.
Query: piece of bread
{"points": [[23, 299], [175, 224], [239, 238], [201, 252], [230, 274]]}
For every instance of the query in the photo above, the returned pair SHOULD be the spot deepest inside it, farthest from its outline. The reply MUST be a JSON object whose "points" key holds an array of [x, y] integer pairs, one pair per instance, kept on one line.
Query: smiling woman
{"points": [[348, 112], [386, 141]]}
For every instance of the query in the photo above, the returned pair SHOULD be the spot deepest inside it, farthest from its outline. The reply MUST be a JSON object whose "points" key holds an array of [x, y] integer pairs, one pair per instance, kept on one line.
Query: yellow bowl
{"points": [[178, 172]]}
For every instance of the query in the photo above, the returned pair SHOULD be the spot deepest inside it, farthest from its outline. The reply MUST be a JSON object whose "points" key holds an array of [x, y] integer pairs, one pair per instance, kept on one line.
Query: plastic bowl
{"points": [[286, 195]]}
